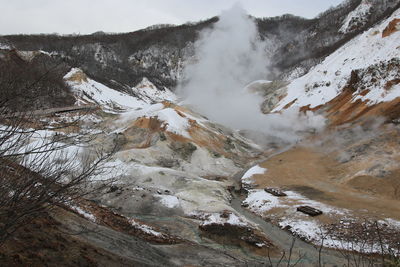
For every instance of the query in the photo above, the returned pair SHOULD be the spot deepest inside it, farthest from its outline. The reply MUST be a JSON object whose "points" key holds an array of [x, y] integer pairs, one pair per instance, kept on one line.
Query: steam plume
{"points": [[230, 56]]}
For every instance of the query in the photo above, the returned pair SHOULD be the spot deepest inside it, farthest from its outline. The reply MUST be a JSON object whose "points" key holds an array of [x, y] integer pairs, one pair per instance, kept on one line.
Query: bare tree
{"points": [[366, 243], [41, 165], [286, 258]]}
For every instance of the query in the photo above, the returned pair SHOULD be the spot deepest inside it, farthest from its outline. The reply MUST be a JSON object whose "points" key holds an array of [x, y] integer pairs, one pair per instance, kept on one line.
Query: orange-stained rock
{"points": [[391, 28], [391, 83], [151, 123], [288, 105], [342, 109]]}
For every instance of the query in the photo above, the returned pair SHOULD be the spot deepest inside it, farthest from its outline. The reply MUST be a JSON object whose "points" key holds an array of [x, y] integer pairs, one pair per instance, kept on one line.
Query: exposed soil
{"points": [[365, 183]]}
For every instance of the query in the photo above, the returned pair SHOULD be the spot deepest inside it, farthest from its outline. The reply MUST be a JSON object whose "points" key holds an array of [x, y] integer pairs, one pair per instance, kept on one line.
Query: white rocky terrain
{"points": [[184, 189]]}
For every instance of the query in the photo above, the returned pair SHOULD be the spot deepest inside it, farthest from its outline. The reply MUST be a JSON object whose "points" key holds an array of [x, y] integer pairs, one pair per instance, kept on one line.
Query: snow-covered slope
{"points": [[88, 90], [171, 120], [150, 93], [327, 80]]}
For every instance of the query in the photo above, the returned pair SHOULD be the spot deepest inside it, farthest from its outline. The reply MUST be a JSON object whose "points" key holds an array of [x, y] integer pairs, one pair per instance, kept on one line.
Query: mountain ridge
{"points": [[158, 54]]}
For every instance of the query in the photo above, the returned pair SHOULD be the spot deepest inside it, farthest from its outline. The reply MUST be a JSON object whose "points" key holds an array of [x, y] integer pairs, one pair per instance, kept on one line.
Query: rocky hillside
{"points": [[182, 190], [119, 60], [359, 79]]}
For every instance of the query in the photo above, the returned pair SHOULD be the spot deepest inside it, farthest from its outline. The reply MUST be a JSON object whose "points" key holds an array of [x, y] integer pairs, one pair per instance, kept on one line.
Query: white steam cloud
{"points": [[228, 57]]}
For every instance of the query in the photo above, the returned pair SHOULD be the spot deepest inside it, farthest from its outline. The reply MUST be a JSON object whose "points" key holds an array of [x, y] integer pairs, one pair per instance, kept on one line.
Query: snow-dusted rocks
{"points": [[357, 18], [378, 83], [168, 201], [222, 218], [145, 228]]}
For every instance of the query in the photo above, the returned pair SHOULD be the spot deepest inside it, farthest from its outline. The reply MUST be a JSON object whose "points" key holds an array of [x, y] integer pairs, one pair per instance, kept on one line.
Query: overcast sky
{"points": [[88, 16]]}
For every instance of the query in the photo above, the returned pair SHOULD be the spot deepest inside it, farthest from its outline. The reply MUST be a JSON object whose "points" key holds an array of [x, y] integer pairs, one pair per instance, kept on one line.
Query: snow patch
{"points": [[310, 230], [145, 228], [174, 122], [223, 218], [168, 201], [246, 179], [314, 232], [260, 202], [82, 212], [391, 222]]}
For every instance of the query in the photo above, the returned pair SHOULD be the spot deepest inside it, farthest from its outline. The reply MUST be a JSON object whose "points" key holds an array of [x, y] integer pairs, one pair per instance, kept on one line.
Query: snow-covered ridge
{"points": [[88, 90], [172, 121], [326, 80], [91, 91]]}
